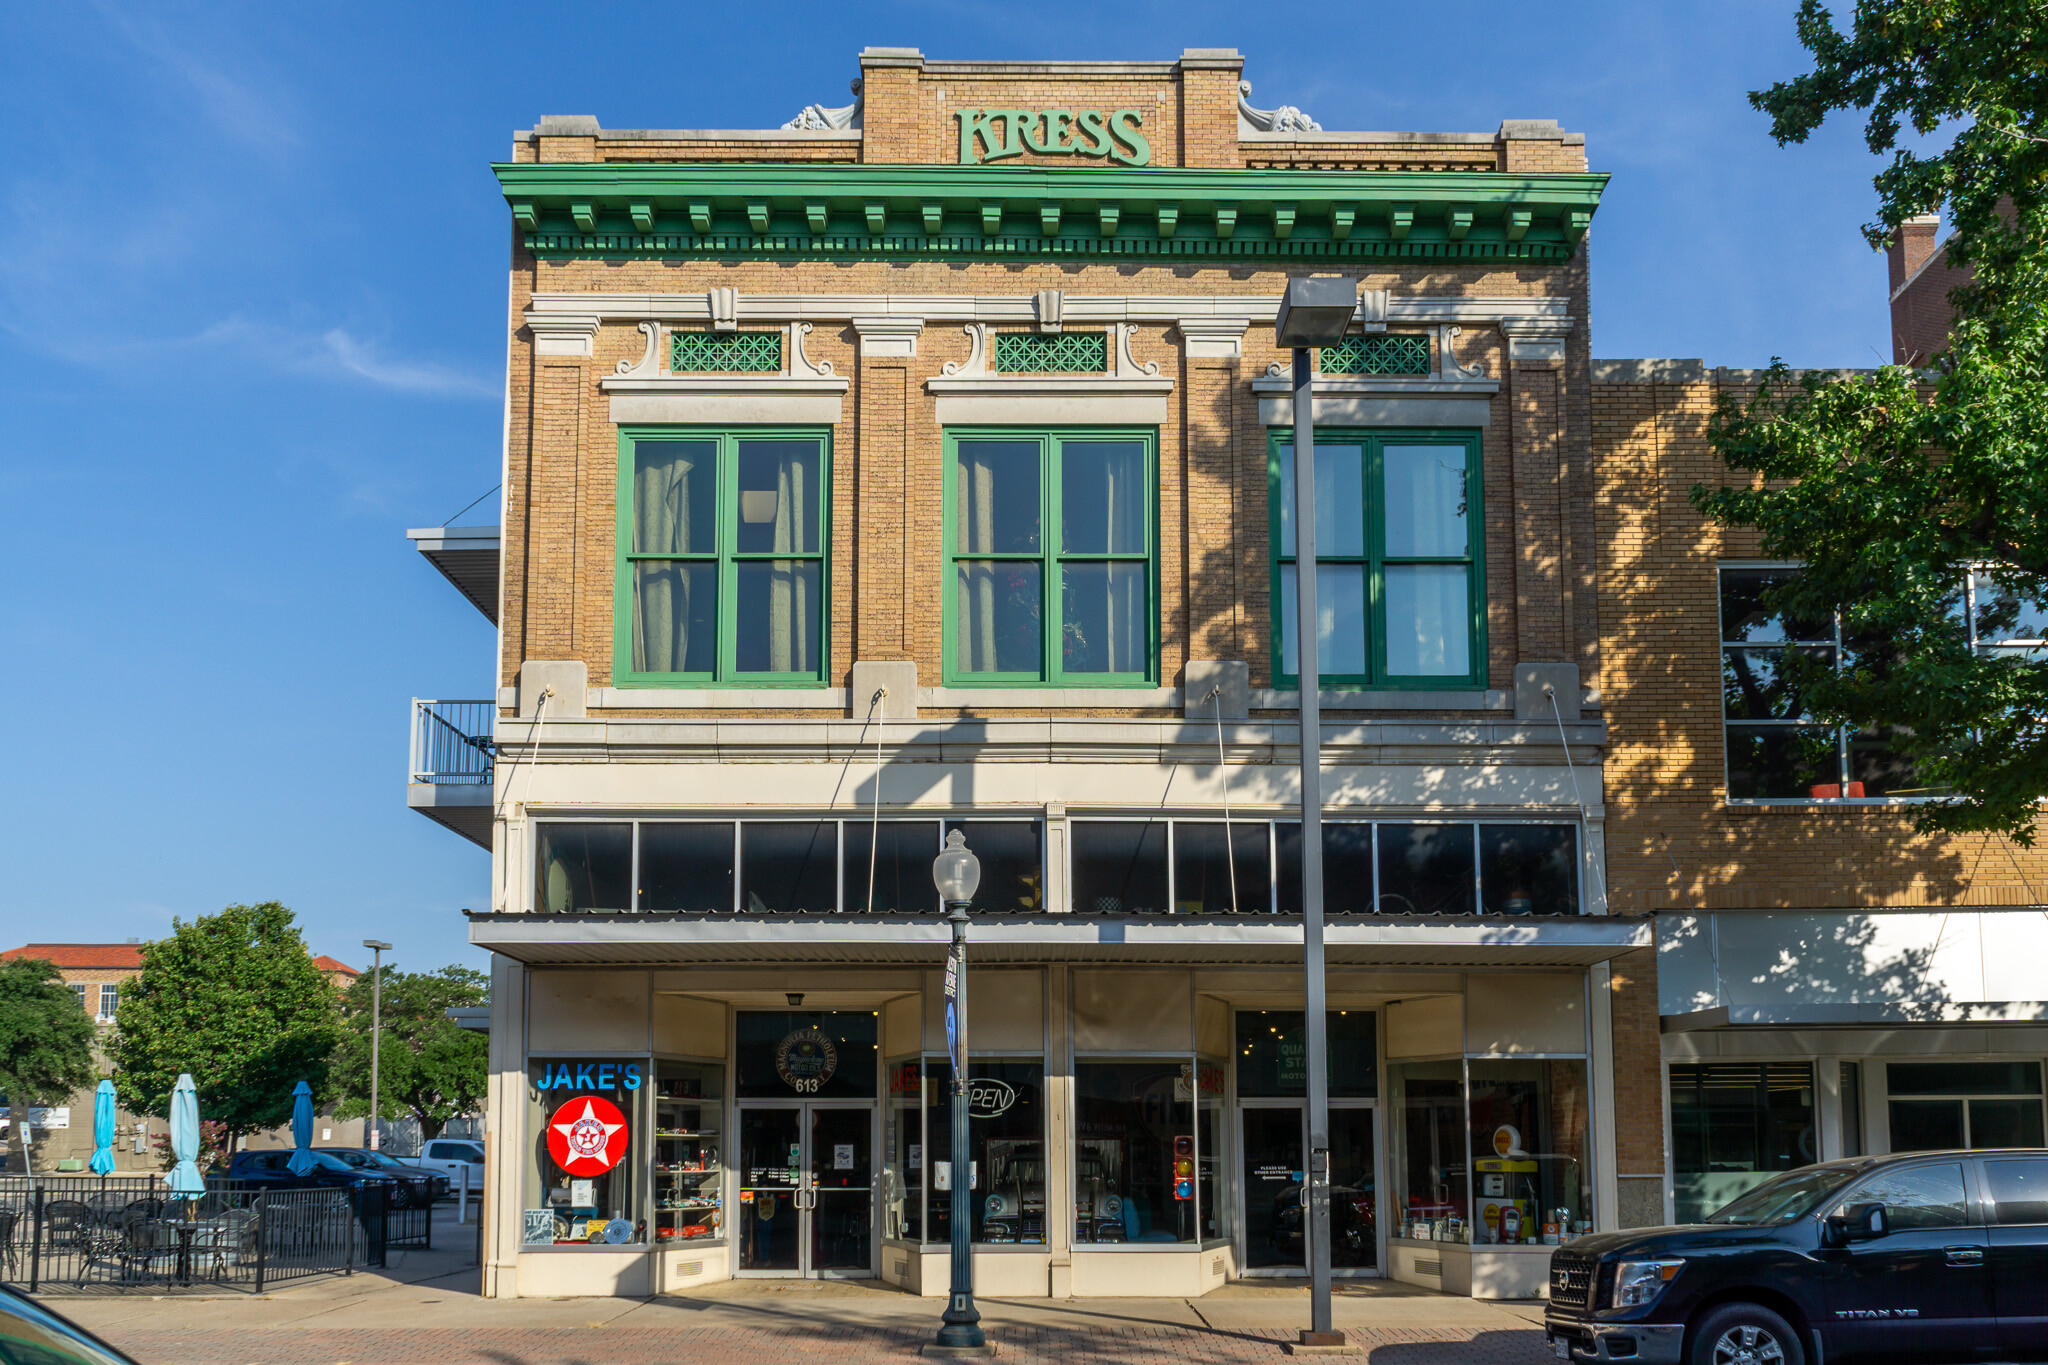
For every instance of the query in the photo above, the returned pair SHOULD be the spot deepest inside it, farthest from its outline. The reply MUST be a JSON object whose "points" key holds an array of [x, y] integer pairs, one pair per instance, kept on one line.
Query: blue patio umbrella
{"points": [[302, 1129], [185, 1177], [103, 1129]]}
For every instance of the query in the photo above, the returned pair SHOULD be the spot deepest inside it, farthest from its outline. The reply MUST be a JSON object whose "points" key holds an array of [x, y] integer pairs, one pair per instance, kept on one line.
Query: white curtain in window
{"points": [[976, 494], [670, 482], [1428, 623], [793, 587]]}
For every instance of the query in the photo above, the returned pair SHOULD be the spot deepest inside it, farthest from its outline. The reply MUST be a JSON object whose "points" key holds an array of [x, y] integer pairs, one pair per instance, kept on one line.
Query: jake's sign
{"points": [[996, 134]]}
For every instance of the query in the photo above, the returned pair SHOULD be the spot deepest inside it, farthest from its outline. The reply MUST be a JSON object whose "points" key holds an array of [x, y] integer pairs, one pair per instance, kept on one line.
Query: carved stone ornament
{"points": [[816, 118], [1125, 365], [800, 364], [1285, 119], [977, 358], [1448, 362], [649, 363]]}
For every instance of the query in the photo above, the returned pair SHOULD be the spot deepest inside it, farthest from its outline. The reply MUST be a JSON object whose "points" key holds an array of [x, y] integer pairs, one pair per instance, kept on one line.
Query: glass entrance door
{"points": [[806, 1202], [1273, 1147], [840, 1202]]}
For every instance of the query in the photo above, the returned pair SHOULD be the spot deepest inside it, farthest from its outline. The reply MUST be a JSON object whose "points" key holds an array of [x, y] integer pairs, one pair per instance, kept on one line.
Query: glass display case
{"points": [[689, 1178]]}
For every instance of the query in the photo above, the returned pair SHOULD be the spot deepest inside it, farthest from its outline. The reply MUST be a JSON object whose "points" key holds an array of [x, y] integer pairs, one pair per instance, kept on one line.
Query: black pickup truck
{"points": [[1932, 1256]]}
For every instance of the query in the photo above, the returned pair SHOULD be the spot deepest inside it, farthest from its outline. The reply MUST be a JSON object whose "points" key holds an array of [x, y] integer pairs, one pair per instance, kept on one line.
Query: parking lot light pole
{"points": [[1315, 311], [957, 872], [378, 947]]}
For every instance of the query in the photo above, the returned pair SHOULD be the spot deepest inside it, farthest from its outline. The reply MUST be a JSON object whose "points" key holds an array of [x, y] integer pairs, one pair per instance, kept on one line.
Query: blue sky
{"points": [[252, 304]]}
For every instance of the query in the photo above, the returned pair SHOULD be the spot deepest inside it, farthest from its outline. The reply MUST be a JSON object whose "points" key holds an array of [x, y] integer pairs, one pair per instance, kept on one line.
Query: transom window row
{"points": [[1115, 866]]}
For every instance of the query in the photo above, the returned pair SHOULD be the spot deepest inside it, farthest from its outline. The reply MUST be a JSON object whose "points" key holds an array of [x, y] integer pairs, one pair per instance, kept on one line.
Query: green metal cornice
{"points": [[860, 212]]}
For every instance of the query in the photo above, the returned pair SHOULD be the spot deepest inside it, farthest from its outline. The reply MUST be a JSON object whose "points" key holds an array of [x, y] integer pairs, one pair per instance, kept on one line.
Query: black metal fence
{"points": [[129, 1233]]}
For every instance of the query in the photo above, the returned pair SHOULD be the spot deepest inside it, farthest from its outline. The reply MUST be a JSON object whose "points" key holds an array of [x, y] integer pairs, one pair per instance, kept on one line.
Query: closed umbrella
{"points": [[185, 1138], [302, 1129], [103, 1129]]}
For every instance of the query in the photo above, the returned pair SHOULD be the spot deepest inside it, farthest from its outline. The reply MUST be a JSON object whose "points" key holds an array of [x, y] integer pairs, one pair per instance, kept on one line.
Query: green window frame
{"points": [[974, 574], [1370, 561], [740, 580]]}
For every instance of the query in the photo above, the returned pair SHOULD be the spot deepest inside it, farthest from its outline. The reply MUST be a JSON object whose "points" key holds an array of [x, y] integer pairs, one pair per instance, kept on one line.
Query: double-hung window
{"points": [[1052, 557], [1775, 750], [721, 572], [1400, 582]]}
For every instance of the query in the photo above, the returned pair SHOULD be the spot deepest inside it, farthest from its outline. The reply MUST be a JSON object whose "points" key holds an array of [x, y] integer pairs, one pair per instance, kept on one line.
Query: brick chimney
{"points": [[1910, 247]]}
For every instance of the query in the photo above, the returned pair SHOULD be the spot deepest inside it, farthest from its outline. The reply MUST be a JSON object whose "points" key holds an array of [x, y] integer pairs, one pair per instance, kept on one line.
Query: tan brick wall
{"points": [[886, 585], [1660, 676]]}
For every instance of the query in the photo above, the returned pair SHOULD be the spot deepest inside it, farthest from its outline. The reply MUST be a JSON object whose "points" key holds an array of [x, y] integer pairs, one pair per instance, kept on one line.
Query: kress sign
{"points": [[996, 134]]}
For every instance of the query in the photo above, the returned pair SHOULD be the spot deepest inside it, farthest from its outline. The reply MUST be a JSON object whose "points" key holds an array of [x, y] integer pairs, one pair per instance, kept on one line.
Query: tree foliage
{"points": [[45, 1039], [1891, 486], [235, 999], [429, 1066]]}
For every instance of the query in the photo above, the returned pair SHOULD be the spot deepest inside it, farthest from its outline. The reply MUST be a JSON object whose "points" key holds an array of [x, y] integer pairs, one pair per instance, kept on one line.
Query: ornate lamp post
{"points": [[1315, 311], [957, 872]]}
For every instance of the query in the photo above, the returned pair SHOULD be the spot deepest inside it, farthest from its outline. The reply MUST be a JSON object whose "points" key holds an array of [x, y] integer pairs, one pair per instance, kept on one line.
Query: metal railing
{"points": [[118, 1234], [451, 741]]}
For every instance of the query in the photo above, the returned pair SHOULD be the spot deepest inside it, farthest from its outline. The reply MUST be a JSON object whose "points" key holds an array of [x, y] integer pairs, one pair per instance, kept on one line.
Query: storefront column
{"points": [[504, 1103], [1059, 1108], [1606, 1171]]}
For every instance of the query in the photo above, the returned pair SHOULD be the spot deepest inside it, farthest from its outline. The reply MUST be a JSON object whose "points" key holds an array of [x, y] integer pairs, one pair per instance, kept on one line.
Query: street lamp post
{"points": [[1315, 311], [957, 872], [378, 947]]}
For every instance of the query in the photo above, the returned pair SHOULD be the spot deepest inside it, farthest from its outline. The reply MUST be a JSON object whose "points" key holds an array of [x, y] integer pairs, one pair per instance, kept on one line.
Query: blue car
{"points": [[329, 1171]]}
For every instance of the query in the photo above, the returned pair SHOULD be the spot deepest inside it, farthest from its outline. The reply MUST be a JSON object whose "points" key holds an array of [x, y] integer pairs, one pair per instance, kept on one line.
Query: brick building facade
{"points": [[919, 467]]}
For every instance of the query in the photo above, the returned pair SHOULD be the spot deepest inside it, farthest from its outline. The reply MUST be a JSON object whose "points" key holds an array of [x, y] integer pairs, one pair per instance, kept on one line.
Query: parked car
{"points": [[35, 1333], [418, 1186], [1928, 1256], [270, 1168], [460, 1159]]}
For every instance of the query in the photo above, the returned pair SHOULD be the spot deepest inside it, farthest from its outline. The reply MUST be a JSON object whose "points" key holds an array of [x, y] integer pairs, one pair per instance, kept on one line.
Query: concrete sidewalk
{"points": [[425, 1308]]}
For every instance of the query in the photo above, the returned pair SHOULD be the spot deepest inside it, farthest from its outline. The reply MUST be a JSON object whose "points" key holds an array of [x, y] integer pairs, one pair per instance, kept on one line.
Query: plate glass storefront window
{"points": [[1936, 1105], [1426, 1134], [1134, 1134], [903, 1169], [1531, 1165], [1734, 1125], [805, 1054], [584, 867], [1006, 1139], [689, 1137], [594, 1198]]}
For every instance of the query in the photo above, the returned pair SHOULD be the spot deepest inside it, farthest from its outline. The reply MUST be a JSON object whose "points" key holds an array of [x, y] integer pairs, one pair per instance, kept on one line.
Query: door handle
{"points": [[1964, 1256]]}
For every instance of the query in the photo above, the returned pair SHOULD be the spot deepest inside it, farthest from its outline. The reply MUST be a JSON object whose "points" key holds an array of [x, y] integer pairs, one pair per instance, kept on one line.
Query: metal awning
{"points": [[778, 940], [467, 556]]}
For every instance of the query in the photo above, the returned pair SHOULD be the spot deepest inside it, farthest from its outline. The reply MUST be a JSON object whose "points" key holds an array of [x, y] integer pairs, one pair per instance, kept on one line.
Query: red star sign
{"points": [[587, 1134]]}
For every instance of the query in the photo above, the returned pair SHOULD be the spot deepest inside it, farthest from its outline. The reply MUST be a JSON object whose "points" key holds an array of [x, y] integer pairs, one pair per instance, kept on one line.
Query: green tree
{"points": [[235, 999], [428, 1065], [45, 1042], [1891, 487]]}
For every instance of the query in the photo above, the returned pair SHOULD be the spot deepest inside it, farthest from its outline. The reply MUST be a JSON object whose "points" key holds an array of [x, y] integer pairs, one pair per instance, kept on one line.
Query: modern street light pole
{"points": [[1315, 311], [957, 872], [378, 947]]}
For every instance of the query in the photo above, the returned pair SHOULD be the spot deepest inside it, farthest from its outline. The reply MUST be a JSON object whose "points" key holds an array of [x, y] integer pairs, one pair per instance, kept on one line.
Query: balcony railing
{"points": [[451, 742]]}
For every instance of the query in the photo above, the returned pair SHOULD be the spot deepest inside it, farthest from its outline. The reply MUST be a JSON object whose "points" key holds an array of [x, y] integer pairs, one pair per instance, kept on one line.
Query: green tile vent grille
{"points": [[1378, 353], [1052, 353], [725, 352]]}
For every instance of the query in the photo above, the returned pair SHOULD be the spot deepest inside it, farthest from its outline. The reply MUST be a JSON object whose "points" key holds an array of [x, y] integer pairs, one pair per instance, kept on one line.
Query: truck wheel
{"points": [[1744, 1334]]}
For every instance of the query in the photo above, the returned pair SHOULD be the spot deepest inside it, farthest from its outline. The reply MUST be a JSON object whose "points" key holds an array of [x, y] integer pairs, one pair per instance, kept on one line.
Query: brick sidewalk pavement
{"points": [[770, 1345]]}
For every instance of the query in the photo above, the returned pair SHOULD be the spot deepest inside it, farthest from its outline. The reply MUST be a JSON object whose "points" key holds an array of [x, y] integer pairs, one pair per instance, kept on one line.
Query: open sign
{"points": [[987, 1098]]}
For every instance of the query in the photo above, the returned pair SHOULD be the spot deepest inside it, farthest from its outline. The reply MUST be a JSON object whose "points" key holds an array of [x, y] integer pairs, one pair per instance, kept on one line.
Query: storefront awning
{"points": [[651, 940]]}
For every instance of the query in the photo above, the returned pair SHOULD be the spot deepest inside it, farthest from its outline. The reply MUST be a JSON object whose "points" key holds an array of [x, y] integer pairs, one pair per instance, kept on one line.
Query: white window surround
{"points": [[969, 393], [805, 393], [1045, 698]]}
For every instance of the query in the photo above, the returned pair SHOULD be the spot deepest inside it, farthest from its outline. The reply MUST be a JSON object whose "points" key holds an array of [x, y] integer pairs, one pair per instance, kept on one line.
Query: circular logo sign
{"points": [[1507, 1140], [586, 1135], [806, 1059]]}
